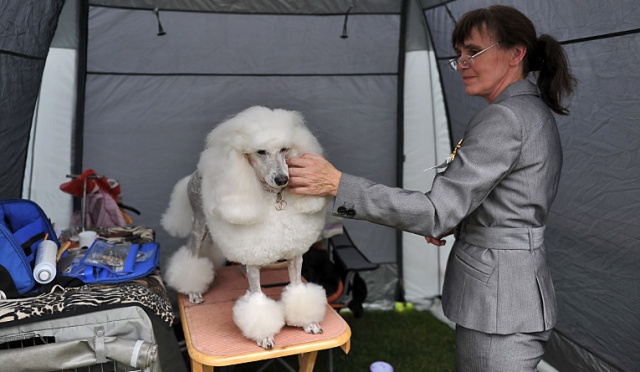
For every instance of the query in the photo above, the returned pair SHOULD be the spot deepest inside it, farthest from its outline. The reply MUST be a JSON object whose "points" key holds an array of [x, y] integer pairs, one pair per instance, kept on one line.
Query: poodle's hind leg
{"points": [[304, 303], [258, 316], [199, 235], [189, 274], [196, 298]]}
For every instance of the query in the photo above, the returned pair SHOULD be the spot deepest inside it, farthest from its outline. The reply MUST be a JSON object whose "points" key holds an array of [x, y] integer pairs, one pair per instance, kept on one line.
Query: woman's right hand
{"points": [[313, 175]]}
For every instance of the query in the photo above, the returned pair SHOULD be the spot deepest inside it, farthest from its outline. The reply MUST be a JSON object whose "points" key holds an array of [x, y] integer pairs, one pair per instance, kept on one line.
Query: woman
{"points": [[495, 194]]}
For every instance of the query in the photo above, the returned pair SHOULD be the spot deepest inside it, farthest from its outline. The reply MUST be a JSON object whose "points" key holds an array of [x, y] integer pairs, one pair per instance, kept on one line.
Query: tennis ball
{"points": [[403, 306]]}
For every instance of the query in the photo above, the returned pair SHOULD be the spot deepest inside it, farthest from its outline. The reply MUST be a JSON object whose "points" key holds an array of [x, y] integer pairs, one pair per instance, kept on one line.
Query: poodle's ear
{"points": [[307, 204], [303, 140], [230, 187]]}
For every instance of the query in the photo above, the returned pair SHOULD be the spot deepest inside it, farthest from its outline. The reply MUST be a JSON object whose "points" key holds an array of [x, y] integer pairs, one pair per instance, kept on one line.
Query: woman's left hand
{"points": [[435, 241]]}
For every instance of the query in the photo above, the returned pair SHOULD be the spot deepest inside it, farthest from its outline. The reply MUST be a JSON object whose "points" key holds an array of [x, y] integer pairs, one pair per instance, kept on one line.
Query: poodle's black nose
{"points": [[281, 180]]}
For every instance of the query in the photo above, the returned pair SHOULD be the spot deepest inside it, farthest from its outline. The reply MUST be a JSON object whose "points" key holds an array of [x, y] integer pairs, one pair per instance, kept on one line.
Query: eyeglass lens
{"points": [[464, 61]]}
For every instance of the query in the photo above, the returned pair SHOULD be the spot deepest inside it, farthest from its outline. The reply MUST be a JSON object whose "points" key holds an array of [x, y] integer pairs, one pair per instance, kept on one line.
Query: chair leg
{"points": [[330, 360]]}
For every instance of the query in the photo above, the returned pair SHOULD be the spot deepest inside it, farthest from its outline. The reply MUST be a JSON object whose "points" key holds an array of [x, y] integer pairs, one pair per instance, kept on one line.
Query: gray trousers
{"points": [[483, 352]]}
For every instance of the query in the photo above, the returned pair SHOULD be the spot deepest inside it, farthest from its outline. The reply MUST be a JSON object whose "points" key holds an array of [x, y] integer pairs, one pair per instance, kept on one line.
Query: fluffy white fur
{"points": [[300, 304], [259, 318], [236, 205], [195, 280], [179, 202]]}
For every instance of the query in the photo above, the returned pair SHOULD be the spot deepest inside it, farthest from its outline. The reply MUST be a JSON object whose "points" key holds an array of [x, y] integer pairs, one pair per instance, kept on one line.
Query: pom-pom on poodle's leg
{"points": [[258, 316], [188, 274], [304, 303]]}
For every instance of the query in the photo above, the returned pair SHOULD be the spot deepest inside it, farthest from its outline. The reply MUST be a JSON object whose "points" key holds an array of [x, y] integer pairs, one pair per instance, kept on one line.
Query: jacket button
{"points": [[342, 211], [351, 213]]}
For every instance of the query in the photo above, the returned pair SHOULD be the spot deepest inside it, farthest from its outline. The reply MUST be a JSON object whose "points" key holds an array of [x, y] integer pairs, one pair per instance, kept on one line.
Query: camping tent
{"points": [[133, 93], [26, 30]]}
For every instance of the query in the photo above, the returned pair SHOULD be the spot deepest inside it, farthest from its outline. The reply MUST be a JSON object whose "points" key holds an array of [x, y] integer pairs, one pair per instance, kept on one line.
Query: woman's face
{"points": [[490, 72]]}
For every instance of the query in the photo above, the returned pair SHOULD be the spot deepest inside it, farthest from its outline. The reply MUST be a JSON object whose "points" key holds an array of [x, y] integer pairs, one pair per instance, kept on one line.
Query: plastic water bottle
{"points": [[380, 367], [45, 269]]}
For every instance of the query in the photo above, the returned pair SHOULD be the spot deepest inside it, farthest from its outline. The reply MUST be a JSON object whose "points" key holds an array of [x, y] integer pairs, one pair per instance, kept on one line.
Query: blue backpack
{"points": [[23, 226]]}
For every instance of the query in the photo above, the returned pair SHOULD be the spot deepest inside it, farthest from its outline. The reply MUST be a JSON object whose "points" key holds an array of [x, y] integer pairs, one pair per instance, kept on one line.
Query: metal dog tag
{"points": [[280, 202]]}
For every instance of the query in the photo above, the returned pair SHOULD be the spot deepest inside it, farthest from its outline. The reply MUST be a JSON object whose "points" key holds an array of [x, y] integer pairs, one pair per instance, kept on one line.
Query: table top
{"points": [[213, 338]]}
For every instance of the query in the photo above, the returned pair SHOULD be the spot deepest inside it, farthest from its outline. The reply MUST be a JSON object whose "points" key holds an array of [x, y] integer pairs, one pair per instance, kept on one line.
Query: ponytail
{"points": [[555, 80]]}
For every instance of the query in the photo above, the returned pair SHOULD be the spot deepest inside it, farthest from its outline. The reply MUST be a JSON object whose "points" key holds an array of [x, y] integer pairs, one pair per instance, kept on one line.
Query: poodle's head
{"points": [[247, 153], [265, 138]]}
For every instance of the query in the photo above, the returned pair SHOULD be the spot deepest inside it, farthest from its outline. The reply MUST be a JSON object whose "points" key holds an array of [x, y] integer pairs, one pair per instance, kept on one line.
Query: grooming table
{"points": [[213, 339]]}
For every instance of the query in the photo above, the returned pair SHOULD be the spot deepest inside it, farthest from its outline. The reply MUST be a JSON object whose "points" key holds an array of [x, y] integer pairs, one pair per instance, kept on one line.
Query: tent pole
{"points": [[78, 131], [400, 293]]}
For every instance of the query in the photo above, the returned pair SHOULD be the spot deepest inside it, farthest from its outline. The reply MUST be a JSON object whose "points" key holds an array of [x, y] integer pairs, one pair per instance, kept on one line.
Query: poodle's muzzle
{"points": [[271, 167], [281, 180]]}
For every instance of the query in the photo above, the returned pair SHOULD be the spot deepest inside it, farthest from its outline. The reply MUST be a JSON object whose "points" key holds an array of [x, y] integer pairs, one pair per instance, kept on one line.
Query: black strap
{"points": [[26, 246], [9, 287], [64, 281], [6, 283]]}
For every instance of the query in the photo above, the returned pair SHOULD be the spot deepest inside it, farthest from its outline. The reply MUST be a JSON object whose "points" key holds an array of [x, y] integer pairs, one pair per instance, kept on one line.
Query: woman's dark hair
{"points": [[544, 54]]}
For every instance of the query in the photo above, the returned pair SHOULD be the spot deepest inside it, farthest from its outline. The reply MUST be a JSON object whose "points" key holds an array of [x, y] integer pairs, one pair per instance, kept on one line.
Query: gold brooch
{"points": [[455, 151], [445, 163]]}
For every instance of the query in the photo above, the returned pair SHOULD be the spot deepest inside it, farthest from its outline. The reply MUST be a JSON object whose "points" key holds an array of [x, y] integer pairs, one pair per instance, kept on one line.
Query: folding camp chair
{"points": [[350, 261]]}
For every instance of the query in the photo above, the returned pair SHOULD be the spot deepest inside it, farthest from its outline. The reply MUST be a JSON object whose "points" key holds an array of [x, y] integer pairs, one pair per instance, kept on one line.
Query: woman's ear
{"points": [[517, 54]]}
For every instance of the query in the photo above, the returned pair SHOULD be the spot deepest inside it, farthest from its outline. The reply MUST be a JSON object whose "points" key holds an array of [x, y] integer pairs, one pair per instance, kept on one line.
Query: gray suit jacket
{"points": [[496, 194]]}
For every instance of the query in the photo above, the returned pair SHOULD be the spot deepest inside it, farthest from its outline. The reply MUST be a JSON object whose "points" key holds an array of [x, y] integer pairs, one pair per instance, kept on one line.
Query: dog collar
{"points": [[280, 203]]}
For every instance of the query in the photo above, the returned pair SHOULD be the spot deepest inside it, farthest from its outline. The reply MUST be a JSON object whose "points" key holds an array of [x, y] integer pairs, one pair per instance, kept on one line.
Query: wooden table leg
{"points": [[307, 361], [197, 367]]}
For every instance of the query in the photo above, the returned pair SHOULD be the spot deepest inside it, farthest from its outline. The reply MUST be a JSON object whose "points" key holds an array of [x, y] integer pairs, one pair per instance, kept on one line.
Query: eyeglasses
{"points": [[466, 61]]}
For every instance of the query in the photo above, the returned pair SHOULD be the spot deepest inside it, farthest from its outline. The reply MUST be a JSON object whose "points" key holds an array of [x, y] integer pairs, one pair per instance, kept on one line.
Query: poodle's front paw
{"points": [[267, 343], [259, 318], [195, 298], [312, 328], [304, 306]]}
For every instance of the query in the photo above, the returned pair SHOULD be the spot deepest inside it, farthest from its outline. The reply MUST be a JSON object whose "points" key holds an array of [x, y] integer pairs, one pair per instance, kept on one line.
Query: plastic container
{"points": [[87, 238], [45, 268], [380, 367]]}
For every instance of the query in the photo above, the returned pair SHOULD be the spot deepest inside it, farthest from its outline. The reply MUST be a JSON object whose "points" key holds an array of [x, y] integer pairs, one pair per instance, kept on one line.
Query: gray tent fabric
{"points": [[159, 98], [26, 30], [593, 232]]}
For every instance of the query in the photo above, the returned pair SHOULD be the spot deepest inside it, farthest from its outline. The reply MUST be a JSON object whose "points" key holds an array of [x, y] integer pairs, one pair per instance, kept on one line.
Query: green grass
{"points": [[409, 341]]}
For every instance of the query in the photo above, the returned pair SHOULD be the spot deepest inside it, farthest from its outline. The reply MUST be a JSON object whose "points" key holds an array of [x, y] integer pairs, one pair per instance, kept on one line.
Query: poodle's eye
{"points": [[261, 152], [284, 150]]}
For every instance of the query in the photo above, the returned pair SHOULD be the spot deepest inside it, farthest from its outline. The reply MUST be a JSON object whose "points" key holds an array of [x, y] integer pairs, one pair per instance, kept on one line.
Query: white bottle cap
{"points": [[44, 275]]}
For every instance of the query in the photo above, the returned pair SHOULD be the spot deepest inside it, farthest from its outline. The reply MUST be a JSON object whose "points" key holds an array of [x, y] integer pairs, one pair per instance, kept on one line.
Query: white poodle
{"points": [[236, 206]]}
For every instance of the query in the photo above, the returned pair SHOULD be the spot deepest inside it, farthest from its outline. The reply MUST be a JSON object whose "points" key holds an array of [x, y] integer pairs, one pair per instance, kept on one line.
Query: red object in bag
{"points": [[101, 200], [74, 187]]}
